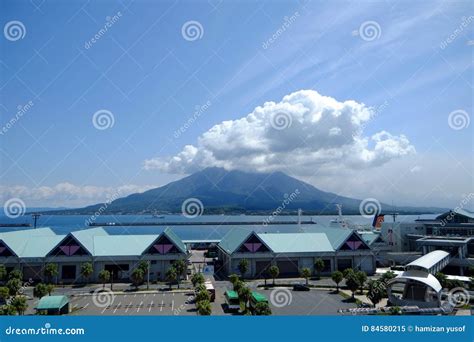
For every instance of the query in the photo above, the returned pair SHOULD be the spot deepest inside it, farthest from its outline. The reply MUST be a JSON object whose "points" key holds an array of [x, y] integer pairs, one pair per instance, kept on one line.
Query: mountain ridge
{"points": [[236, 192]]}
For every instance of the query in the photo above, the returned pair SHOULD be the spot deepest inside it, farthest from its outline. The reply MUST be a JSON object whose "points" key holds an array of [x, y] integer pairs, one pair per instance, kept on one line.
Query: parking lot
{"points": [[314, 302], [165, 303]]}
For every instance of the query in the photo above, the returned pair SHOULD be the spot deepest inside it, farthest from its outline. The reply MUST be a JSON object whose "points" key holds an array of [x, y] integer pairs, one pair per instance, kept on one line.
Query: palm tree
{"points": [[352, 282], [20, 305], [180, 267], [243, 267], [144, 265], [4, 293], [15, 274], [197, 279], [306, 273], [233, 278], [274, 271], [204, 308], [319, 266], [13, 285], [262, 309], [3, 272], [337, 277], [375, 291], [50, 271], [244, 296], [104, 276], [40, 290], [137, 277], [87, 270], [171, 275], [361, 278]]}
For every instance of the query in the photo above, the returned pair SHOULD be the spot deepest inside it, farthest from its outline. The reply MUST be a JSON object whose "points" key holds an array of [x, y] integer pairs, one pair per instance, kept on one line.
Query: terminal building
{"points": [[31, 249], [452, 232], [339, 248]]}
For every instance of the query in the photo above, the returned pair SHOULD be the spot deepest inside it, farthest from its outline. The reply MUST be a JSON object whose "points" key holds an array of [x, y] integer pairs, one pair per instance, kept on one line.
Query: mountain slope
{"points": [[223, 191]]}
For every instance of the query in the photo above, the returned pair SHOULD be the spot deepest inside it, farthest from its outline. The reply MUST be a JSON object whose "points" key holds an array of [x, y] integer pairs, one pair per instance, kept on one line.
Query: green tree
{"points": [[137, 277], [180, 267], [204, 308], [20, 305], [15, 274], [273, 271], [244, 296], [7, 310], [243, 267], [49, 288], [375, 291], [347, 271], [262, 309], [352, 282], [233, 278], [319, 266], [305, 273], [443, 279], [104, 277], [171, 276], [40, 290], [203, 295], [50, 271], [87, 270], [4, 293], [197, 279], [14, 286], [238, 285], [387, 276], [337, 277], [361, 278], [144, 265], [395, 310], [3, 273]]}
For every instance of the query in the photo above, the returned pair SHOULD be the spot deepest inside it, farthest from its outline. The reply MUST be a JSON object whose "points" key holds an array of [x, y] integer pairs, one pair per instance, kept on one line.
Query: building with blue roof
{"points": [[339, 248], [31, 249]]}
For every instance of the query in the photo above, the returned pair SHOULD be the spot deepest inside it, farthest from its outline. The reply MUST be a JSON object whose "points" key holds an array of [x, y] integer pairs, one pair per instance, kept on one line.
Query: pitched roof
{"points": [[37, 243], [233, 239], [121, 245], [297, 242], [31, 242], [52, 302]]}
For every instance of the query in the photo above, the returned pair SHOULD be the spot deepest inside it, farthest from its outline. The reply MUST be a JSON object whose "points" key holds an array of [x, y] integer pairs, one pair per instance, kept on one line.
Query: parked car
{"points": [[300, 287]]}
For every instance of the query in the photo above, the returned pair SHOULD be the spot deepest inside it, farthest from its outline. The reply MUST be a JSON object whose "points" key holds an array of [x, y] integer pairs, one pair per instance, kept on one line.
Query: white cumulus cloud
{"points": [[304, 132]]}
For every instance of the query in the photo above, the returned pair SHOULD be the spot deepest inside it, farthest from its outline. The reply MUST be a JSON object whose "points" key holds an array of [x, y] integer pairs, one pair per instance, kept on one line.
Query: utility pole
{"points": [[35, 217]]}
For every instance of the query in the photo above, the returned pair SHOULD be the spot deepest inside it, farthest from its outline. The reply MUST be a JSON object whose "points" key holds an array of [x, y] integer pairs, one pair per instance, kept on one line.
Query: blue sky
{"points": [[415, 71]]}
